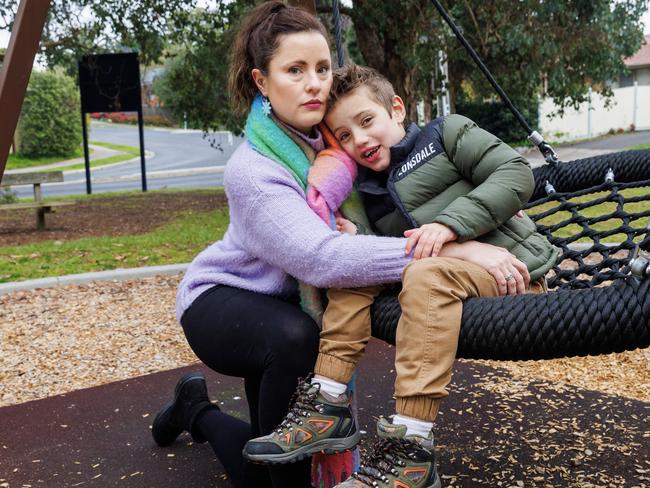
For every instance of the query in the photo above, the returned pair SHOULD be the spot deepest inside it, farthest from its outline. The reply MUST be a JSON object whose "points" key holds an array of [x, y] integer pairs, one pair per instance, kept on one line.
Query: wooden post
{"points": [[17, 67], [308, 5], [40, 212]]}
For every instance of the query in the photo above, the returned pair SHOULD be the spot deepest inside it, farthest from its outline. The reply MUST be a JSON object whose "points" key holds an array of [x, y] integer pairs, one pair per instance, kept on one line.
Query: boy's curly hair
{"points": [[348, 78]]}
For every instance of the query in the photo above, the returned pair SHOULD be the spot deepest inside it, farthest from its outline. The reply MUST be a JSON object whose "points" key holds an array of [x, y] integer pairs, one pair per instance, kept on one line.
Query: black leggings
{"points": [[270, 343]]}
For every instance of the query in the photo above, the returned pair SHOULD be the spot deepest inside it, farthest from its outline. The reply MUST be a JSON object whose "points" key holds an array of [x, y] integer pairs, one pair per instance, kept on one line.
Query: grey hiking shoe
{"points": [[316, 422], [396, 461]]}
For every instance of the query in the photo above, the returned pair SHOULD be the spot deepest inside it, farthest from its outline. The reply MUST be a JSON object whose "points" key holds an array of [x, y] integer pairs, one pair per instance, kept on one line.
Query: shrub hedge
{"points": [[496, 118], [50, 122]]}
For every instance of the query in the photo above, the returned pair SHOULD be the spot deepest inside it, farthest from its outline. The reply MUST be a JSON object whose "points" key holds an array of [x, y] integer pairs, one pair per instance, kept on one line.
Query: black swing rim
{"points": [[562, 323]]}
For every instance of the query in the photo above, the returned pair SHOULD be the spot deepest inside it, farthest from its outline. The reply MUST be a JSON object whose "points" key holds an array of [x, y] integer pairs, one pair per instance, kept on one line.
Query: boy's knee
{"points": [[424, 270]]}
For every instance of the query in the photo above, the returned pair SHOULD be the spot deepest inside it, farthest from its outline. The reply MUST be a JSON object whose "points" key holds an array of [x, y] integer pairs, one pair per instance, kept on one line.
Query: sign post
{"points": [[111, 83]]}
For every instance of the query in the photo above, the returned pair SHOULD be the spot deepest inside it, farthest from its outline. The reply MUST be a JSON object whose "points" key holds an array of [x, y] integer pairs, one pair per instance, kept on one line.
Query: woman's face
{"points": [[298, 80]]}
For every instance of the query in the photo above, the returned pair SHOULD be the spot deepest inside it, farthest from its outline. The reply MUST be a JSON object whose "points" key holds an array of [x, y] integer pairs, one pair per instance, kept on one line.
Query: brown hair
{"points": [[257, 40], [348, 78]]}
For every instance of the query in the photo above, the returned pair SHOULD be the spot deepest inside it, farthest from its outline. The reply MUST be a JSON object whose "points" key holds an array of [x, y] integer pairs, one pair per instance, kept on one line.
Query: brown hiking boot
{"points": [[396, 461], [316, 422]]}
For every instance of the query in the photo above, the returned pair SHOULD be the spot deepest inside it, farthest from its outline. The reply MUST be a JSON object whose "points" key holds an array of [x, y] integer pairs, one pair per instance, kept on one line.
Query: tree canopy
{"points": [[77, 27], [196, 76], [554, 48]]}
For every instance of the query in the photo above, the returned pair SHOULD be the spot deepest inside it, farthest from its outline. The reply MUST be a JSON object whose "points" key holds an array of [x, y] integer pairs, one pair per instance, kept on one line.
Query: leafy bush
{"points": [[7, 195], [496, 118], [194, 83], [132, 118], [50, 123]]}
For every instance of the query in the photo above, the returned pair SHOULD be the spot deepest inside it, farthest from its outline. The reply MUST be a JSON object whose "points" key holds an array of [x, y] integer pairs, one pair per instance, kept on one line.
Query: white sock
{"points": [[413, 426], [329, 386]]}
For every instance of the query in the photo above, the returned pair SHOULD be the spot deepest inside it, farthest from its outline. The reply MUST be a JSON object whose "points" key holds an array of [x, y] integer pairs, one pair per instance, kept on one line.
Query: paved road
{"points": [[185, 159], [594, 147], [182, 159], [616, 142]]}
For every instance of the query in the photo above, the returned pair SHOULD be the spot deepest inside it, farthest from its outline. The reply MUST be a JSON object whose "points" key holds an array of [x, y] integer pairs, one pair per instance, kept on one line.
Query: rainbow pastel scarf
{"points": [[330, 179], [325, 196], [271, 138]]}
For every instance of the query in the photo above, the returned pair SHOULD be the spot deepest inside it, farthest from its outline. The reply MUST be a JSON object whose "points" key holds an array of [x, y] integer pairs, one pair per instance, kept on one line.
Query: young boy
{"points": [[450, 181]]}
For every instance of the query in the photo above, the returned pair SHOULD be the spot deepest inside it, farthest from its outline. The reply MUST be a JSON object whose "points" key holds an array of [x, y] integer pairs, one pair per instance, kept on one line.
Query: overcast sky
{"points": [[4, 36]]}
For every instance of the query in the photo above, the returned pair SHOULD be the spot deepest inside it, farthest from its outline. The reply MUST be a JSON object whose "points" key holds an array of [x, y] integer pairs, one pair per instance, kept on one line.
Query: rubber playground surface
{"points": [[492, 431]]}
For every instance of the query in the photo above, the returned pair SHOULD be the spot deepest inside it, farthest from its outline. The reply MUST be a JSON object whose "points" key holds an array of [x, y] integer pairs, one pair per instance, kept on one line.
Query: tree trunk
{"points": [[454, 86], [428, 100], [308, 5], [382, 54], [403, 81]]}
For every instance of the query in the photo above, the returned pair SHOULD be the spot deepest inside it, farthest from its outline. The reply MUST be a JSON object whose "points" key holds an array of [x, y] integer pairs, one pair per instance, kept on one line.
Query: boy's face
{"points": [[364, 128]]}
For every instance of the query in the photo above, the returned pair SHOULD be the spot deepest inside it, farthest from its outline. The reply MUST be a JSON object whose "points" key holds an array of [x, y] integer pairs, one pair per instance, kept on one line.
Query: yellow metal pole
{"points": [[17, 67]]}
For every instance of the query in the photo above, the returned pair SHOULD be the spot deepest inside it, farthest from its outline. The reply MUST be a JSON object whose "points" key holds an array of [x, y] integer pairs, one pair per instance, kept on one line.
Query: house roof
{"points": [[641, 57]]}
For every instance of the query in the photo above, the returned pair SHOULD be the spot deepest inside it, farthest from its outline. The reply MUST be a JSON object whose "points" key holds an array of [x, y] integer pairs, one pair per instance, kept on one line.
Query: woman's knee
{"points": [[297, 341]]}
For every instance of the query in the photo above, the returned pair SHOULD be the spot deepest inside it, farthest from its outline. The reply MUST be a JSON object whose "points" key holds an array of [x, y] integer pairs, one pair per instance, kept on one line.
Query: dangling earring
{"points": [[266, 106]]}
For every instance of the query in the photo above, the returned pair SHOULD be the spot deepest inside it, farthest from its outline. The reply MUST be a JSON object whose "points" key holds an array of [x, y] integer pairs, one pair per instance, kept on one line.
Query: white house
{"points": [[639, 66], [629, 109]]}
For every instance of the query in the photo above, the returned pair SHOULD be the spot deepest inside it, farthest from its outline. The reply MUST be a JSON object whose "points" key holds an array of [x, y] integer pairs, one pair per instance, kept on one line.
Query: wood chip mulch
{"points": [[61, 339], [56, 340]]}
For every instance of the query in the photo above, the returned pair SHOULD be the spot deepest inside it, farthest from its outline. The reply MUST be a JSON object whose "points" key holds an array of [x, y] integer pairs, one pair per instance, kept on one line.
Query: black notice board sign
{"points": [[110, 83]]}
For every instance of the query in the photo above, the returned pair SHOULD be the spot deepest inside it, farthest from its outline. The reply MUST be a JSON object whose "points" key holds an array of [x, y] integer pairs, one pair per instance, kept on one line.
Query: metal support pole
{"points": [[635, 101], [442, 74], [589, 109], [17, 67], [142, 162], [84, 130]]}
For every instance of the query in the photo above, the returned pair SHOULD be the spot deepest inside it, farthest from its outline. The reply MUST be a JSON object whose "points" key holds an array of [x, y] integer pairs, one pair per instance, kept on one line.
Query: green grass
{"points": [[176, 242], [639, 146], [595, 211], [117, 147], [16, 161], [129, 152], [181, 239]]}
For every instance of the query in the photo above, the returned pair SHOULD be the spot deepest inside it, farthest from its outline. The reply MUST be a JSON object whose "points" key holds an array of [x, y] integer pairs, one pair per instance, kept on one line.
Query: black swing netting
{"points": [[595, 306]]}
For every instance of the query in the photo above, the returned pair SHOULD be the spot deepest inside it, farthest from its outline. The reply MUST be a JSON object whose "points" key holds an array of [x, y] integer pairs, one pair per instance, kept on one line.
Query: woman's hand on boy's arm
{"points": [[428, 239], [345, 226]]}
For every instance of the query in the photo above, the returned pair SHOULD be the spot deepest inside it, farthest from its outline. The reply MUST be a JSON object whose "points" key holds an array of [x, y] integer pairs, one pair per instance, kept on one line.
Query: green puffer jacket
{"points": [[457, 174]]}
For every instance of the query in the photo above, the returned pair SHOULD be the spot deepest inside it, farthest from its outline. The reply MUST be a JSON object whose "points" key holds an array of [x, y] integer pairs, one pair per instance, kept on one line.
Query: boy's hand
{"points": [[428, 239], [346, 226]]}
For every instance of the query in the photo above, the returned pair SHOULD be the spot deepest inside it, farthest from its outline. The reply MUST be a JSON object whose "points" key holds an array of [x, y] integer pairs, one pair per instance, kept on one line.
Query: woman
{"points": [[238, 300]]}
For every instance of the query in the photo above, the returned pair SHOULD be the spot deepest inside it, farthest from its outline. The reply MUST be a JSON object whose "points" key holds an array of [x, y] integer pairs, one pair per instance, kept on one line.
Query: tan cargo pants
{"points": [[433, 291]]}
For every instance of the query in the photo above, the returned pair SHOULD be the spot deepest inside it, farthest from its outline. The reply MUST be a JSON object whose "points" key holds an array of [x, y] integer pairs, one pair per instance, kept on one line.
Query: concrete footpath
{"points": [[77, 279], [565, 153]]}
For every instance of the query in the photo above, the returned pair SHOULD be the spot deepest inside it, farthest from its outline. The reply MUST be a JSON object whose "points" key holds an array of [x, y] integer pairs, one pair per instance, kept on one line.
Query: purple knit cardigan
{"points": [[274, 237]]}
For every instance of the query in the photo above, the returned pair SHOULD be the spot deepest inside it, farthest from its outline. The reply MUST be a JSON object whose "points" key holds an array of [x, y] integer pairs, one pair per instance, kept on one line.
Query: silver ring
{"points": [[509, 276]]}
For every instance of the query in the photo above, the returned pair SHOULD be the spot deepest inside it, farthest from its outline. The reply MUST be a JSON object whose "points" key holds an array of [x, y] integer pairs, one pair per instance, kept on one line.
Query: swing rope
{"points": [[336, 12]]}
